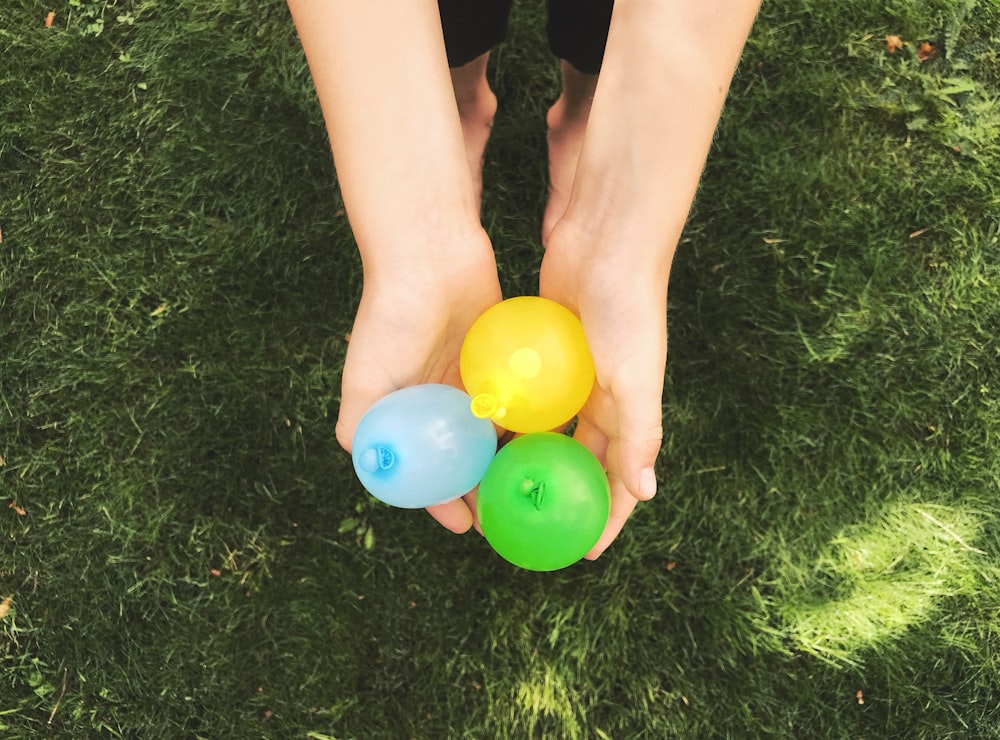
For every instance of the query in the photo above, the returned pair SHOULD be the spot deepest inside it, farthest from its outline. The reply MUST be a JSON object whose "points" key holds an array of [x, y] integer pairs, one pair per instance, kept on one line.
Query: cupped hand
{"points": [[622, 306], [409, 329]]}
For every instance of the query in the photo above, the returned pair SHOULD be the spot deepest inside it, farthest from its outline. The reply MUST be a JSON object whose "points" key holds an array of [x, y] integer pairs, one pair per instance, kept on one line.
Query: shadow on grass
{"points": [[178, 283]]}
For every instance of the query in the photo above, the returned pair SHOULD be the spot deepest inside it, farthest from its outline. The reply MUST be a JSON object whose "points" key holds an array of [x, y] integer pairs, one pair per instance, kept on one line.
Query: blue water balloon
{"points": [[421, 446]]}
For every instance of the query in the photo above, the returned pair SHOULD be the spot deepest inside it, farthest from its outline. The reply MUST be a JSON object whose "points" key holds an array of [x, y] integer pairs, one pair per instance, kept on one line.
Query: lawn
{"points": [[187, 553]]}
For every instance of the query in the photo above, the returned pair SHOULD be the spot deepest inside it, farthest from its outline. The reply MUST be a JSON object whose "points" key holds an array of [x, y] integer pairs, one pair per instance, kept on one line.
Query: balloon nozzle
{"points": [[534, 489], [487, 406], [377, 458]]}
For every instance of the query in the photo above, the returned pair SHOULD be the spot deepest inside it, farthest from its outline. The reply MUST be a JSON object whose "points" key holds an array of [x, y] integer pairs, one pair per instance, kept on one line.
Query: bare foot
{"points": [[567, 123], [477, 105]]}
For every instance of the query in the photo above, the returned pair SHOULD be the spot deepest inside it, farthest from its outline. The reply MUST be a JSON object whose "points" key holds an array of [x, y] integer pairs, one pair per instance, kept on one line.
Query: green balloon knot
{"points": [[534, 489]]}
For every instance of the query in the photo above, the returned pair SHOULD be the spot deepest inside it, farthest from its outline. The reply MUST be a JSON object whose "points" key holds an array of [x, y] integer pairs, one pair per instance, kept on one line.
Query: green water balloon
{"points": [[544, 501]]}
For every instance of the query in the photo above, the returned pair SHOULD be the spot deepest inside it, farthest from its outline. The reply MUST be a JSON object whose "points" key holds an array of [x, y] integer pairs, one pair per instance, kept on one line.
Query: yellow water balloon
{"points": [[526, 364]]}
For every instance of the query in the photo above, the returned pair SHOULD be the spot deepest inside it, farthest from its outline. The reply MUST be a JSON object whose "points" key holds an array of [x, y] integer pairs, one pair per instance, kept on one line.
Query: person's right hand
{"points": [[409, 329]]}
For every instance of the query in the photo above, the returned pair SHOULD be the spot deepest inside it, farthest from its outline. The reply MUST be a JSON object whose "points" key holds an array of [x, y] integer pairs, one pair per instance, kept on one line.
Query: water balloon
{"points": [[526, 364], [421, 446], [544, 501]]}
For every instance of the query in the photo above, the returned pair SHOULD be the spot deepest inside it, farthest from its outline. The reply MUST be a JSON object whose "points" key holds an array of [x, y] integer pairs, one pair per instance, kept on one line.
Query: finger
{"points": [[591, 437], [634, 453], [351, 410], [638, 395], [371, 370], [622, 505], [471, 500], [455, 516], [359, 390]]}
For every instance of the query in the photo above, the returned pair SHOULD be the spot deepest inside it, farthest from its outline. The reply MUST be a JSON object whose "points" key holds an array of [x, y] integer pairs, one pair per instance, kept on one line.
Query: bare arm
{"points": [[666, 75], [381, 75], [666, 72]]}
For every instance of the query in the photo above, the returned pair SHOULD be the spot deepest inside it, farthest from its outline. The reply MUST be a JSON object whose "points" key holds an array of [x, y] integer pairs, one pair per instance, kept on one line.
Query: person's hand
{"points": [[648, 131], [409, 330], [403, 167], [622, 306]]}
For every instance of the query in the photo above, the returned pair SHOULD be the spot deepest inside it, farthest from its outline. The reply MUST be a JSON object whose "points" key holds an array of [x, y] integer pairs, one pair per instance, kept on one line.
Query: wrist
{"points": [[434, 253], [614, 231], [418, 203]]}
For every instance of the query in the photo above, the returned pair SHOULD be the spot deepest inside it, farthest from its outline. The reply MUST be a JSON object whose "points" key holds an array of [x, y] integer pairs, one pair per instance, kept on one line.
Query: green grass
{"points": [[196, 558]]}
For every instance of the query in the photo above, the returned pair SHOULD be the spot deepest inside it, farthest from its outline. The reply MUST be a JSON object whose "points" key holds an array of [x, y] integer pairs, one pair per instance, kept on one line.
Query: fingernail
{"points": [[647, 483]]}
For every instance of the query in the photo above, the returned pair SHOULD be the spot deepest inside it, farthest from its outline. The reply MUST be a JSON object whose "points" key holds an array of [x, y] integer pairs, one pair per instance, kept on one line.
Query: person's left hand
{"points": [[622, 306]]}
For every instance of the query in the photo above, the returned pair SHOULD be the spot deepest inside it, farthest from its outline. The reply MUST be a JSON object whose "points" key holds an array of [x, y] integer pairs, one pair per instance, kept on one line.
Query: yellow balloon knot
{"points": [[486, 406]]}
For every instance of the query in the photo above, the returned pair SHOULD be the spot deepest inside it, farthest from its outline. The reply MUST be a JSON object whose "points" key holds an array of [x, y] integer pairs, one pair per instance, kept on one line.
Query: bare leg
{"points": [[567, 122], [476, 107]]}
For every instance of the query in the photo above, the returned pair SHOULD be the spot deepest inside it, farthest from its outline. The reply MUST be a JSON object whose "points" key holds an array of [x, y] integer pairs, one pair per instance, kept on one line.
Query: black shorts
{"points": [[577, 29]]}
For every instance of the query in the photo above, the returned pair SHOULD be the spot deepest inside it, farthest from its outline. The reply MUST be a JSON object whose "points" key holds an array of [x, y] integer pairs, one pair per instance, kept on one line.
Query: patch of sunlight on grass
{"points": [[544, 698], [883, 577]]}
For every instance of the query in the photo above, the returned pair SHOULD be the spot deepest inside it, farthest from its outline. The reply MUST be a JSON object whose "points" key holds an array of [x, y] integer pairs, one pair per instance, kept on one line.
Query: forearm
{"points": [[382, 79], [666, 73]]}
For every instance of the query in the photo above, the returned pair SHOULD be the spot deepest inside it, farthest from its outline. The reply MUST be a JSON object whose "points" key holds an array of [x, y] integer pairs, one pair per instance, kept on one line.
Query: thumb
{"points": [[362, 384], [638, 401], [639, 445], [355, 400]]}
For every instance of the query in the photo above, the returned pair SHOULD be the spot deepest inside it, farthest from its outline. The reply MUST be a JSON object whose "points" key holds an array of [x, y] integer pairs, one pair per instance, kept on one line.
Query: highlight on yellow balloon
{"points": [[526, 364]]}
